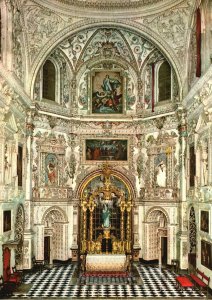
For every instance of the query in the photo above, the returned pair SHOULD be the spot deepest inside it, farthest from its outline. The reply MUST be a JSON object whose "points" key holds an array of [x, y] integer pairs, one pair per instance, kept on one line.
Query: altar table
{"points": [[106, 262]]}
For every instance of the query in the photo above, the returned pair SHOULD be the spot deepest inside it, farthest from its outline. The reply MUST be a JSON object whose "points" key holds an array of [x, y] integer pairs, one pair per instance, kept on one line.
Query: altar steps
{"points": [[106, 278], [105, 274]]}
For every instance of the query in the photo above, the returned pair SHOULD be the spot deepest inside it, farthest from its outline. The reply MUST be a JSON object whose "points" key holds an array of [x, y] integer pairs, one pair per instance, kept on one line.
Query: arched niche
{"points": [[157, 235], [55, 224]]}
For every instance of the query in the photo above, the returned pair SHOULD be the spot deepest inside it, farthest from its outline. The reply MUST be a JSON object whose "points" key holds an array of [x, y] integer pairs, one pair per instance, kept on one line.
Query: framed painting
{"points": [[107, 92], [51, 169], [206, 254], [204, 221], [106, 149], [192, 165], [7, 220], [19, 164]]}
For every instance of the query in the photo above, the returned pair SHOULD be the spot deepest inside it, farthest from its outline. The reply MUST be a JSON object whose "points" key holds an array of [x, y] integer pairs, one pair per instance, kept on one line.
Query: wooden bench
{"points": [[200, 279], [12, 277], [38, 264], [183, 282], [17, 273]]}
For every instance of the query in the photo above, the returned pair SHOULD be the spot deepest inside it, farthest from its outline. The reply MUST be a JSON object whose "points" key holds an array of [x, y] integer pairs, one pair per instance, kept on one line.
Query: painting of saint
{"points": [[114, 150], [7, 220], [107, 93], [51, 169], [204, 221], [206, 254]]}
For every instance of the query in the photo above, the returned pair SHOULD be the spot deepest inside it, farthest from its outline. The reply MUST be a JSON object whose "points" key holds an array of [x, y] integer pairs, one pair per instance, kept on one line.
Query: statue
{"points": [[106, 216], [161, 174], [205, 171], [205, 166]]}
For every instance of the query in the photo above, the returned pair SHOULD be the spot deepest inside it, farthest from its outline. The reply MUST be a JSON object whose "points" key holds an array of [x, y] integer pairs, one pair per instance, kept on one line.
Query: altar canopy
{"points": [[106, 262]]}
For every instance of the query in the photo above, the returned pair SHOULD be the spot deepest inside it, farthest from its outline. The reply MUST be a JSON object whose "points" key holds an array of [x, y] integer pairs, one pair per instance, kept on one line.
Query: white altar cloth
{"points": [[106, 262]]}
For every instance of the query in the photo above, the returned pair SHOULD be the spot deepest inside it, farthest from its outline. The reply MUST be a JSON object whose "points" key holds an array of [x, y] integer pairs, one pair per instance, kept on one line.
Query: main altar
{"points": [[106, 221], [106, 262]]}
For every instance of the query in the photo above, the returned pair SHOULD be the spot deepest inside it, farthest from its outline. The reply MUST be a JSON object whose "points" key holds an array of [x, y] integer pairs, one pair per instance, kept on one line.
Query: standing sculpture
{"points": [[161, 174], [106, 216]]}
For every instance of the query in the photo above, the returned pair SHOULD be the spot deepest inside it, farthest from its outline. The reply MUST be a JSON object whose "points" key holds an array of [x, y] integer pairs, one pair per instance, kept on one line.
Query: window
{"points": [[164, 82], [49, 80]]}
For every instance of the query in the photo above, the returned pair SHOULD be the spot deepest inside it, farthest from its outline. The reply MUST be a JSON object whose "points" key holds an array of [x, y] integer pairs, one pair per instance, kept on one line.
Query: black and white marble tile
{"points": [[55, 283]]}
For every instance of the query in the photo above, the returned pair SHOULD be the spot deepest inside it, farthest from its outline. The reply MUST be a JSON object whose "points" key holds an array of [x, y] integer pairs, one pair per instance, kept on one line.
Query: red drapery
{"points": [[6, 262], [153, 87], [198, 41]]}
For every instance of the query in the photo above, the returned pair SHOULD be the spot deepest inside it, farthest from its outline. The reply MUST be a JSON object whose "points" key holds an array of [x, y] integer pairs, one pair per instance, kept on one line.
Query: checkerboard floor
{"points": [[55, 283]]}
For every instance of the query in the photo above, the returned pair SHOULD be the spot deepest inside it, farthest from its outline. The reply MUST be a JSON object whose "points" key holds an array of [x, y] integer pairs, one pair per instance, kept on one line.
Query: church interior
{"points": [[106, 148]]}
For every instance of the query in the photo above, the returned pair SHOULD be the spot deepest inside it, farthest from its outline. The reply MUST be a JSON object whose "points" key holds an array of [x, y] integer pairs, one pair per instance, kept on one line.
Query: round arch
{"points": [[157, 208], [97, 173], [145, 32], [106, 205], [59, 210]]}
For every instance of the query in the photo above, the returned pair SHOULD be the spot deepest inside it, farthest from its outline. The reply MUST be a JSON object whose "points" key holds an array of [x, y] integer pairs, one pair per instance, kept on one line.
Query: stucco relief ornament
{"points": [[83, 92], [74, 46], [139, 46], [130, 94], [140, 167], [17, 38], [107, 43], [172, 25], [108, 4], [41, 24], [7, 91], [205, 92], [71, 163]]}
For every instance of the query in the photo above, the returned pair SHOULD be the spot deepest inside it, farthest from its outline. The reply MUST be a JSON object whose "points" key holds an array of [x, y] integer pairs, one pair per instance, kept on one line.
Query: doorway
{"points": [[164, 250], [47, 249]]}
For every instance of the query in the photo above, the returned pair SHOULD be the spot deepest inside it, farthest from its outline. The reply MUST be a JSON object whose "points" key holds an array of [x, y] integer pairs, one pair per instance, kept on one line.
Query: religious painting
{"points": [[160, 170], [51, 169], [106, 149], [6, 220], [204, 221], [206, 254], [107, 92]]}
